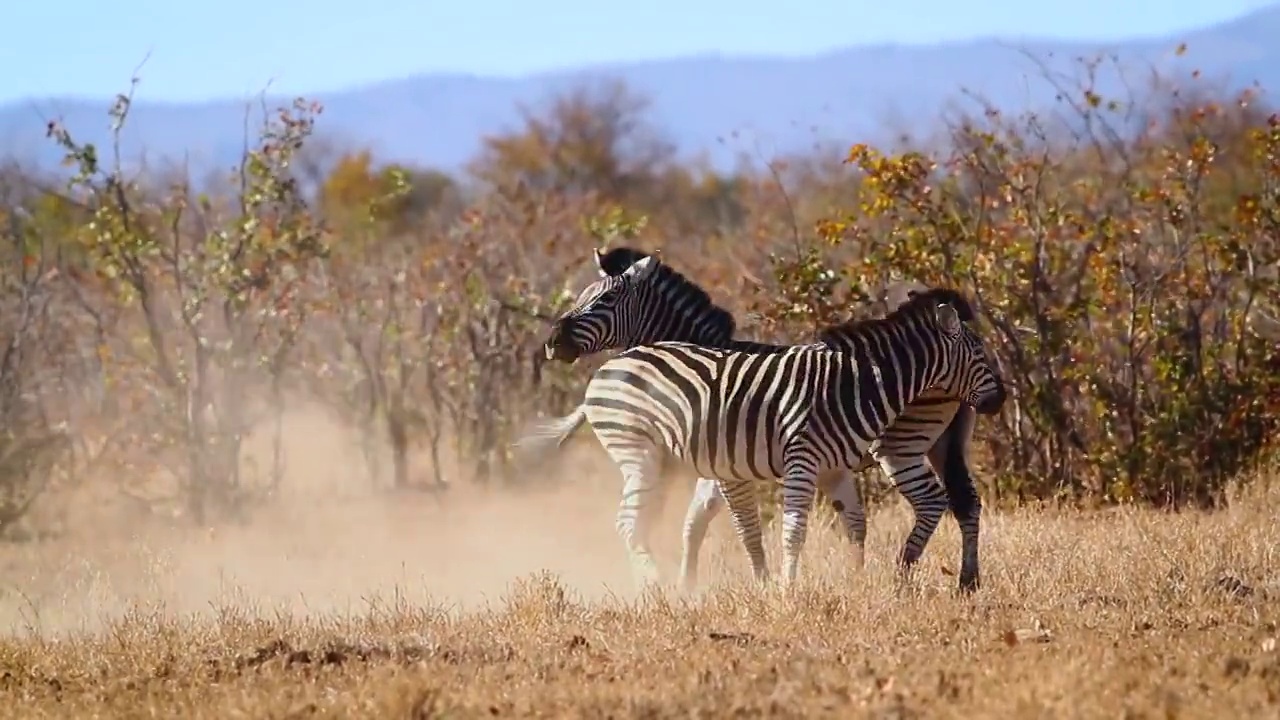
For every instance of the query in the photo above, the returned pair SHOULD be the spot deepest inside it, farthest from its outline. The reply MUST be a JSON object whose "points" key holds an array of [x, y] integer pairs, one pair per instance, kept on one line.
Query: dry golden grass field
{"points": [[341, 604]]}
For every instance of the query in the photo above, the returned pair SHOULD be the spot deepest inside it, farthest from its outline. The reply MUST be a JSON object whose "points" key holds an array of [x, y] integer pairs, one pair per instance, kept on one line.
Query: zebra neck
{"points": [[678, 329], [917, 369], [684, 324]]}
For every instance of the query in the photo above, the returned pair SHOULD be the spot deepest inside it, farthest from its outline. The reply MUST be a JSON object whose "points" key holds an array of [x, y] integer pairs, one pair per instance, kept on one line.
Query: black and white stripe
{"points": [[794, 413], [639, 300]]}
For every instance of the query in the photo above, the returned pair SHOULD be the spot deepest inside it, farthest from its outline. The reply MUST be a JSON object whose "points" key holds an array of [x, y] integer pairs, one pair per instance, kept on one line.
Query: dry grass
{"points": [[359, 606]]}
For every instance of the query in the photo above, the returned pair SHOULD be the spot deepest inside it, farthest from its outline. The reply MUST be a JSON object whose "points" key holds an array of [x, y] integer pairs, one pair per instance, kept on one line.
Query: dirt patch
{"points": [[342, 602]]}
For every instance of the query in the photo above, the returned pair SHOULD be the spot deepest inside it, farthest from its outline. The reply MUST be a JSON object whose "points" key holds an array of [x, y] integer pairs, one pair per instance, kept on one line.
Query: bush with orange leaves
{"points": [[1128, 284]]}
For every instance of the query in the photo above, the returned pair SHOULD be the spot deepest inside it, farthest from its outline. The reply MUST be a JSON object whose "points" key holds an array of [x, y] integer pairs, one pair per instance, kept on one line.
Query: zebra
{"points": [[791, 413], [640, 300]]}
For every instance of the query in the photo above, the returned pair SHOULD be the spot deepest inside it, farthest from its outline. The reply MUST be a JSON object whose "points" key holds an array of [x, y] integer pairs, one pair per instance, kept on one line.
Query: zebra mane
{"points": [[679, 289], [917, 303]]}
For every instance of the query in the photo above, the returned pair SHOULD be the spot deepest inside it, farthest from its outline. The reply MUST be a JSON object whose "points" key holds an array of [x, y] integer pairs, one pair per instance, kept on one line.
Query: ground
{"points": [[505, 606]]}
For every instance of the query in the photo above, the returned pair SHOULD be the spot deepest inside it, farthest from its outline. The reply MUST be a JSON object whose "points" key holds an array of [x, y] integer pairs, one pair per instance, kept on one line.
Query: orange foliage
{"points": [[1121, 282]]}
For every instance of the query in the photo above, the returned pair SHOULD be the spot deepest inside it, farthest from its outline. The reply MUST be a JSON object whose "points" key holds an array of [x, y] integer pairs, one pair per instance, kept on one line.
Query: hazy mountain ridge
{"points": [[721, 106]]}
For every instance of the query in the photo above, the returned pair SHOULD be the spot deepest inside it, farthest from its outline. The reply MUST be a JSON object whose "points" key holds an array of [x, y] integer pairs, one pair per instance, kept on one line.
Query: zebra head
{"points": [[604, 311], [970, 374], [617, 260], [637, 300]]}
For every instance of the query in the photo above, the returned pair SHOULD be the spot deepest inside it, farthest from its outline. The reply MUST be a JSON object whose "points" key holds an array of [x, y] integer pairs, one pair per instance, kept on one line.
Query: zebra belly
{"points": [[723, 455], [732, 451]]}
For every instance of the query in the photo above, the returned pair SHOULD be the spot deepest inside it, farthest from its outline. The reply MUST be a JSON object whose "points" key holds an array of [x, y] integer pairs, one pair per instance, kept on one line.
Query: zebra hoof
{"points": [[647, 581], [905, 581], [689, 587], [788, 583], [968, 585]]}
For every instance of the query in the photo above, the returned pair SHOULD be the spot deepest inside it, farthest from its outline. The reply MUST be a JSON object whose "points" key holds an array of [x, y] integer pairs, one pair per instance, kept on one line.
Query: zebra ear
{"points": [[948, 320], [598, 256], [641, 268]]}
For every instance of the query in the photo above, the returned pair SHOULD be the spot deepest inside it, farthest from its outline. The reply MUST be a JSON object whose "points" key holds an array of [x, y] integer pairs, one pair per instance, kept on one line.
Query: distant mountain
{"points": [[721, 106]]}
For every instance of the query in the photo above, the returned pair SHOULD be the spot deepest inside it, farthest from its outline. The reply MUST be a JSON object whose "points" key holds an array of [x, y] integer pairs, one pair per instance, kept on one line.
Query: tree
{"points": [[204, 300], [397, 198], [32, 351], [1117, 276], [594, 139]]}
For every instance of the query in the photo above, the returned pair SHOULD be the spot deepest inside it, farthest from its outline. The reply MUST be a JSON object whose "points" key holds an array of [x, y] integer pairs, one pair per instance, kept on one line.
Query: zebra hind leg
{"points": [[642, 493], [744, 509], [917, 482], [706, 504], [967, 509], [948, 459], [842, 491]]}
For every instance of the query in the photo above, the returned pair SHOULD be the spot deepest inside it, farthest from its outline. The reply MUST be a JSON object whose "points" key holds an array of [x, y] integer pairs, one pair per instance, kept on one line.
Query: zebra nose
{"points": [[560, 345], [989, 403], [557, 332], [564, 352]]}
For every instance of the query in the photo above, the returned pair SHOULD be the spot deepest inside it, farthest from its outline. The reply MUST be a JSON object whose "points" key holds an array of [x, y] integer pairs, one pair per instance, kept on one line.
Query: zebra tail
{"points": [[549, 436]]}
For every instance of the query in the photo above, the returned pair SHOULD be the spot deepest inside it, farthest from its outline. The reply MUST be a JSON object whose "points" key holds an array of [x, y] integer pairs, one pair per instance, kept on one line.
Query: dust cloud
{"points": [[330, 544]]}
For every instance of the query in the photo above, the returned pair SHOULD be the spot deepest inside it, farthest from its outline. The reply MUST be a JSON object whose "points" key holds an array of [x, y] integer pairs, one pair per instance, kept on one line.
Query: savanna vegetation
{"points": [[1123, 255]]}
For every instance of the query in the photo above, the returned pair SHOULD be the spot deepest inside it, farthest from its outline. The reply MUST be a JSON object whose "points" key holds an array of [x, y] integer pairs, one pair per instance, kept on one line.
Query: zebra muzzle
{"points": [[559, 352]]}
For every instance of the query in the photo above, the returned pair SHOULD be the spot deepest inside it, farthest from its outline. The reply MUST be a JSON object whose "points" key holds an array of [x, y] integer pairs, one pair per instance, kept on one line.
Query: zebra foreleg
{"points": [[642, 495], [798, 488], [917, 482], [840, 489], [706, 504], [744, 509]]}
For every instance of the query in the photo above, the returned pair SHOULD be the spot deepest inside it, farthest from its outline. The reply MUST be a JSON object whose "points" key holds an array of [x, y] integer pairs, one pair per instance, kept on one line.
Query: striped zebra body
{"points": [[641, 301], [791, 414], [727, 414]]}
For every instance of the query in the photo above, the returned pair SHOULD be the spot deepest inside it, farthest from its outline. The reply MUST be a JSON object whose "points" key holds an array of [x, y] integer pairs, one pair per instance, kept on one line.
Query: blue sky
{"points": [[232, 48]]}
